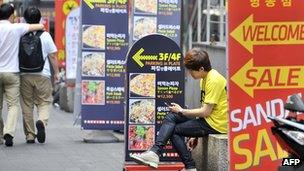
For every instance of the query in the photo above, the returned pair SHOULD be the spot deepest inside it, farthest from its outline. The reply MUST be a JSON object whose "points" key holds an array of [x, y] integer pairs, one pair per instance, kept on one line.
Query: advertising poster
{"points": [[155, 76], [266, 65], [62, 9], [72, 42], [156, 16], [104, 47]]}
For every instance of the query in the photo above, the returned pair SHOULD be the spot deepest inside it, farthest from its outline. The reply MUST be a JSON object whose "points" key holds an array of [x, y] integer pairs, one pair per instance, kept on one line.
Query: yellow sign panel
{"points": [[68, 6], [161, 57], [250, 78], [138, 57], [250, 33], [90, 2]]}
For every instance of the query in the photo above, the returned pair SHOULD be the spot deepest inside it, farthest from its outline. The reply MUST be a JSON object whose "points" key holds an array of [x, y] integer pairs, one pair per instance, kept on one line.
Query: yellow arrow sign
{"points": [[250, 33], [90, 2], [250, 78], [138, 57]]}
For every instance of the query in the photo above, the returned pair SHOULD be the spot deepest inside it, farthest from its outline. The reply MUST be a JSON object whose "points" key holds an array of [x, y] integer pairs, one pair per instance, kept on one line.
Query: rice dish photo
{"points": [[93, 64], [146, 6], [142, 111], [143, 85], [144, 26], [94, 36]]}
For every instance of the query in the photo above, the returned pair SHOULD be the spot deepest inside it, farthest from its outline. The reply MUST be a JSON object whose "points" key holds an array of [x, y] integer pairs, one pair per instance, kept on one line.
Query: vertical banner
{"points": [[155, 76], [62, 9], [104, 48], [266, 65], [72, 42], [156, 16]]}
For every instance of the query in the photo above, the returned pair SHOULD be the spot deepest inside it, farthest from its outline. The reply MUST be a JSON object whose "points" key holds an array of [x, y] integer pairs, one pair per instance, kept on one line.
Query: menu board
{"points": [[156, 16], [104, 48], [155, 75]]}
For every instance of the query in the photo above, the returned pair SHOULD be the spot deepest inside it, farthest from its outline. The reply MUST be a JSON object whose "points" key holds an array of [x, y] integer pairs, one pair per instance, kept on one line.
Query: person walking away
{"points": [[210, 118], [36, 86], [9, 69]]}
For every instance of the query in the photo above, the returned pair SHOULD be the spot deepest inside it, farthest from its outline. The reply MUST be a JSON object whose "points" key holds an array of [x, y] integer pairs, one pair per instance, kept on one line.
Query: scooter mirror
{"points": [[294, 103]]}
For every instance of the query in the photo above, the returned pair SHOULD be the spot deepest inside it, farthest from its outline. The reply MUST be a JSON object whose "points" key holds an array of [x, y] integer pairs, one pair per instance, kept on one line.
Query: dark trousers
{"points": [[176, 127]]}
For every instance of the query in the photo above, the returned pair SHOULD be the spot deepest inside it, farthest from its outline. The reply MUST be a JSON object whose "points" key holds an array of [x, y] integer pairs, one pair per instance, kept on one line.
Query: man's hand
{"points": [[56, 77], [192, 143], [176, 108]]}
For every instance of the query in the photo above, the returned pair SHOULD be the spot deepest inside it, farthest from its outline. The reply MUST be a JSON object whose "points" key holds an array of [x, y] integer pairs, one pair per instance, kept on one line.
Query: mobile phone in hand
{"points": [[167, 104]]}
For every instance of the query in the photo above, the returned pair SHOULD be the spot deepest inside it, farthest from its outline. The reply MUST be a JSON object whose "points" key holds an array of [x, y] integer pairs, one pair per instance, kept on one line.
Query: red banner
{"points": [[62, 8], [46, 22], [266, 65]]}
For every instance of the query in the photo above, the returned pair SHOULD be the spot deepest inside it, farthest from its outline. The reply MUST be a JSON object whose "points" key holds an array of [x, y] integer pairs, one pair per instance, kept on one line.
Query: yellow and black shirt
{"points": [[213, 91]]}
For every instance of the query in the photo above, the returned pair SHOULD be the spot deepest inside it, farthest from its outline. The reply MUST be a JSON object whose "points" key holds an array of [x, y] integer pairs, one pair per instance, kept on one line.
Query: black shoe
{"points": [[8, 140], [40, 131], [30, 141]]}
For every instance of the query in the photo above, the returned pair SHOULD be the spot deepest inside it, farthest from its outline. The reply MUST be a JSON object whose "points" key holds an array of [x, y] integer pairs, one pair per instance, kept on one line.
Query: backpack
{"points": [[30, 53]]}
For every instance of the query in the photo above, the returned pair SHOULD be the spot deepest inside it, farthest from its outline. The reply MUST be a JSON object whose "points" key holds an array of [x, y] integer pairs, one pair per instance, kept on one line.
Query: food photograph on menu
{"points": [[144, 26], [93, 92], [93, 64], [142, 85], [142, 111], [94, 37], [146, 6], [141, 137]]}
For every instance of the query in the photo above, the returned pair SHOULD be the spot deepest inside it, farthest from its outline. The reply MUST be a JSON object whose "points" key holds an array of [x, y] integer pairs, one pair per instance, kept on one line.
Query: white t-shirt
{"points": [[48, 47], [10, 35]]}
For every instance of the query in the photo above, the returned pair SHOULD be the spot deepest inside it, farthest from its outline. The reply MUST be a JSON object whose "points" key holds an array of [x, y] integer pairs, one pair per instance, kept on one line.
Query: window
{"points": [[214, 14]]}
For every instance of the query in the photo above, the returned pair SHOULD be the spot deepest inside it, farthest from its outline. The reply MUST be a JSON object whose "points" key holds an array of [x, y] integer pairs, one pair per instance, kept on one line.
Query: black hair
{"points": [[6, 10], [32, 15]]}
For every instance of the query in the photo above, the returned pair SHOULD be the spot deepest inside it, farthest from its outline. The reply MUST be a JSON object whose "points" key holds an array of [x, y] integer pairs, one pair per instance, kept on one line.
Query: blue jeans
{"points": [[176, 127]]}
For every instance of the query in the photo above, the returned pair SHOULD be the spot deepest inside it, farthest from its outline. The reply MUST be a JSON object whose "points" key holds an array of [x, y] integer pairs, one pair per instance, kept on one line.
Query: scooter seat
{"points": [[295, 104]]}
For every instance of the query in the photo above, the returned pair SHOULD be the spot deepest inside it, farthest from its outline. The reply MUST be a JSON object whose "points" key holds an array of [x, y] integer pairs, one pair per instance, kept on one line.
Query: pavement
{"points": [[64, 149]]}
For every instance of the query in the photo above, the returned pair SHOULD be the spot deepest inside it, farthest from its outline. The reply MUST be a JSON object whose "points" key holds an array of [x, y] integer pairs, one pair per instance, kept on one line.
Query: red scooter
{"points": [[289, 132]]}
